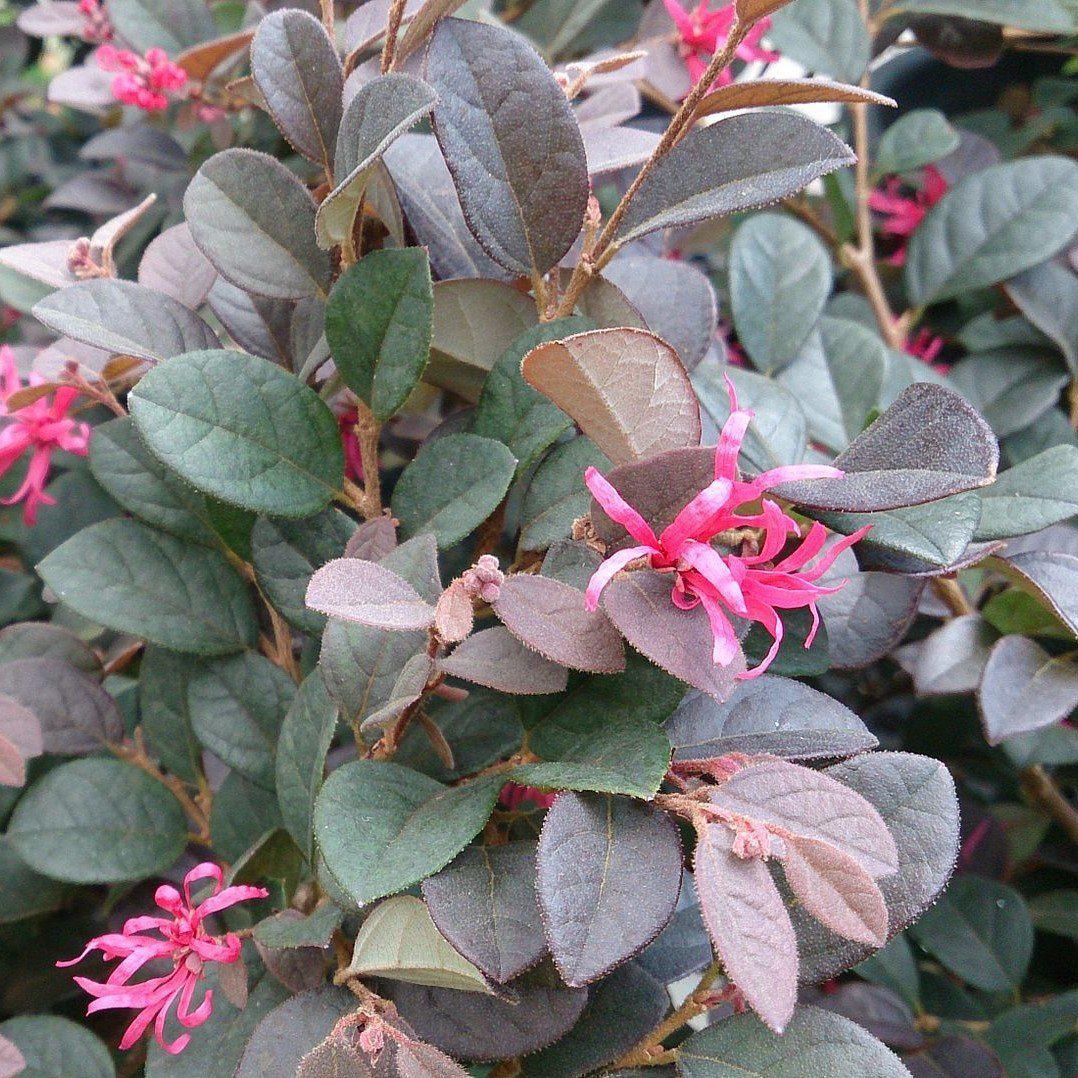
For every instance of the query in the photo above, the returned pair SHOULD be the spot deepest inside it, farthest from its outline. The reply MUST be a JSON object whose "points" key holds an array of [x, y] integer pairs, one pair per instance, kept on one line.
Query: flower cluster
{"points": [[144, 82], [184, 941], [752, 584], [903, 213], [702, 33], [42, 427]]}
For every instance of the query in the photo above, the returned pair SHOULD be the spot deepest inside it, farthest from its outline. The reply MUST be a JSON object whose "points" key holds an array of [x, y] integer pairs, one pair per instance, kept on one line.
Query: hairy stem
{"points": [[605, 248], [328, 17], [1042, 791], [950, 593], [368, 432], [389, 49]]}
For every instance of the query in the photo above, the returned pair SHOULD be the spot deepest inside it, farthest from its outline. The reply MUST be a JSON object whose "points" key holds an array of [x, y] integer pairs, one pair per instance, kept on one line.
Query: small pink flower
{"points": [[42, 427], [753, 584], [925, 346], [514, 795], [184, 941], [96, 26], [702, 32], [353, 459], [144, 82], [903, 214]]}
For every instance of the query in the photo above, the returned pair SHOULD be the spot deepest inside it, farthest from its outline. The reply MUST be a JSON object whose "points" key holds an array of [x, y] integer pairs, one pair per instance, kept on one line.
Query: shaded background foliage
{"points": [[190, 692]]}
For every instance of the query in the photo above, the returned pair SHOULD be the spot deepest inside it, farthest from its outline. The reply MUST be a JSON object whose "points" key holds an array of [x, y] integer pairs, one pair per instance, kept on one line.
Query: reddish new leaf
{"points": [[813, 805], [550, 618], [749, 926], [368, 593], [496, 659], [836, 890]]}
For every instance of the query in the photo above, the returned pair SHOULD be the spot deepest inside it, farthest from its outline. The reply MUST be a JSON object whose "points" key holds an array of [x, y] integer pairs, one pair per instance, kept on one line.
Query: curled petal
{"points": [[770, 621], [836, 548], [710, 565], [808, 550], [609, 569], [726, 647], [699, 519], [618, 509], [791, 473], [207, 870]]}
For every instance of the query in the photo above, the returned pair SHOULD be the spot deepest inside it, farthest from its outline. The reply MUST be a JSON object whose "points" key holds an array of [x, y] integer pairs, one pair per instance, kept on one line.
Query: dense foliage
{"points": [[537, 538]]}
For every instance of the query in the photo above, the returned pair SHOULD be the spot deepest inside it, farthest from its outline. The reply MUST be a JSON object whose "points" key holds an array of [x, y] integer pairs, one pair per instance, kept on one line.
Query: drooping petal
{"points": [[726, 647], [777, 526], [710, 565], [770, 621], [812, 545], [608, 570], [827, 559], [190, 1018], [618, 509]]}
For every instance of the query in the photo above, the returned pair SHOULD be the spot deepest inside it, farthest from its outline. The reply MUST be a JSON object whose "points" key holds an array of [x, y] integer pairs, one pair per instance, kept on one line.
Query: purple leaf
{"points": [[496, 659], [836, 890], [20, 740], [368, 593], [593, 852], [550, 618], [749, 926], [810, 804]]}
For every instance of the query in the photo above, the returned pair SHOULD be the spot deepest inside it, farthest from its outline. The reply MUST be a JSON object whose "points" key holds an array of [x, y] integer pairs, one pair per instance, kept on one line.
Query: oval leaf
{"points": [[368, 593]]}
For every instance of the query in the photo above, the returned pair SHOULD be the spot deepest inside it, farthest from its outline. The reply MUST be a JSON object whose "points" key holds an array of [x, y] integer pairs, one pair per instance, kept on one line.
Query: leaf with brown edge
{"points": [[836, 890], [594, 851], [625, 388], [368, 593], [200, 60], [496, 659], [550, 617], [748, 924], [679, 641], [20, 740], [813, 805], [773, 92]]}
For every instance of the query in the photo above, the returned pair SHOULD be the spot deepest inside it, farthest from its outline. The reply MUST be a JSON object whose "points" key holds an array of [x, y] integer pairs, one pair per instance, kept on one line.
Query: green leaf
{"points": [[398, 941], [511, 143], [780, 278], [993, 225], [174, 25], [306, 735], [381, 110], [510, 410], [894, 967], [314, 930], [382, 828], [981, 930], [602, 751], [556, 495], [1032, 495], [815, 1042], [243, 430], [123, 575], [1048, 296], [24, 892], [55, 1047], [1056, 912], [125, 318], [243, 813], [736, 164], [828, 36], [237, 706], [378, 325], [914, 140], [452, 486], [838, 379], [98, 821], [254, 220], [297, 71], [1047, 16], [139, 482], [164, 711], [285, 553]]}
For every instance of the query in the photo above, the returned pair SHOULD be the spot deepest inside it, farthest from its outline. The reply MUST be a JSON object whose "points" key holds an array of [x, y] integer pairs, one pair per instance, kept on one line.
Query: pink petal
{"points": [[207, 870], [187, 1017], [815, 626], [698, 520], [618, 509], [777, 525], [229, 897], [792, 473], [726, 646], [811, 546], [679, 15], [609, 569], [828, 558], [770, 621], [709, 564]]}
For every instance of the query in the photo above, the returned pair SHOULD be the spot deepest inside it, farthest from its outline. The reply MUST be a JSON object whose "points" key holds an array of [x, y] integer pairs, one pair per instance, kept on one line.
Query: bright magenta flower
{"points": [[753, 584], [903, 214], [184, 940], [703, 32], [42, 427], [925, 346], [144, 82], [353, 458], [96, 24]]}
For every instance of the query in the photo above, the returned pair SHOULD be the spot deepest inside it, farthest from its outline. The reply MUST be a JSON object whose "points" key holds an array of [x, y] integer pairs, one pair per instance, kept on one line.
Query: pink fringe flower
{"points": [[903, 214], [41, 427], [144, 82], [703, 32], [752, 585], [184, 940], [353, 458], [96, 26], [925, 346], [513, 796]]}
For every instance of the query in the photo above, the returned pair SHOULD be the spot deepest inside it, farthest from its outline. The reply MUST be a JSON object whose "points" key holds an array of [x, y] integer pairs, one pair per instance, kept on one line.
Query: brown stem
{"points": [[135, 753], [682, 120], [368, 432], [389, 49], [950, 593], [650, 1052], [1044, 794], [328, 16]]}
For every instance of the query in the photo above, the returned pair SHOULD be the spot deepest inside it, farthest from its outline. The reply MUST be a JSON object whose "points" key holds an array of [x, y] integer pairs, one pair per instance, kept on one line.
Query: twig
{"points": [[1043, 793], [389, 49], [950, 593], [605, 248], [368, 432], [328, 16], [650, 1052]]}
